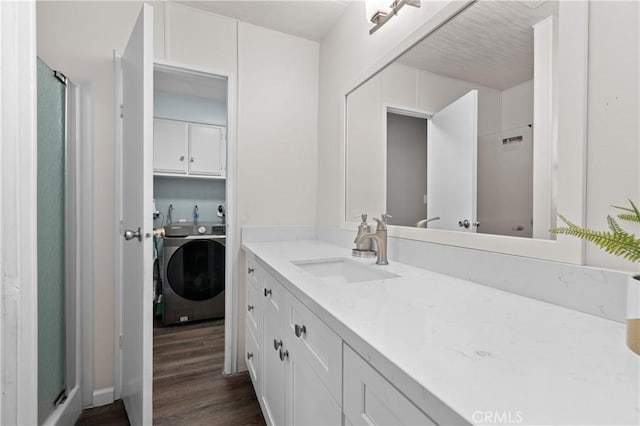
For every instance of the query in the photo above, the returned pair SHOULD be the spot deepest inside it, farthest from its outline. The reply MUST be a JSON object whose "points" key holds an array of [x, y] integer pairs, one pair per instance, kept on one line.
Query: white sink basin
{"points": [[343, 270]]}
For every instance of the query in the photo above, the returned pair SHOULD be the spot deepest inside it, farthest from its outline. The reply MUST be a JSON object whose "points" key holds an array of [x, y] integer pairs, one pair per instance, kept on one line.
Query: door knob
{"points": [[130, 235], [464, 223]]}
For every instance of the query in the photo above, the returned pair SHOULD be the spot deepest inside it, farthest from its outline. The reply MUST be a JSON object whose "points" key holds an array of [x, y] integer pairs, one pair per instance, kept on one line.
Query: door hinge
{"points": [[121, 110], [120, 341], [121, 230]]}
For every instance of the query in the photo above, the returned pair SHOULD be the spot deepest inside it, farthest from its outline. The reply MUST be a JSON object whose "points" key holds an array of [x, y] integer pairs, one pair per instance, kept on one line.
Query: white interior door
{"points": [[137, 195], [452, 146]]}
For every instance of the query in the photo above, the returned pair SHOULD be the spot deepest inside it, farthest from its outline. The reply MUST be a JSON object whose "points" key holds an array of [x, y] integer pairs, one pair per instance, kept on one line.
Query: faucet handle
{"points": [[382, 223]]}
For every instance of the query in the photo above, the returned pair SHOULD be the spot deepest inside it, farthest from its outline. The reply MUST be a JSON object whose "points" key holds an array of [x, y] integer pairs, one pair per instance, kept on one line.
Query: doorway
{"points": [[192, 194]]}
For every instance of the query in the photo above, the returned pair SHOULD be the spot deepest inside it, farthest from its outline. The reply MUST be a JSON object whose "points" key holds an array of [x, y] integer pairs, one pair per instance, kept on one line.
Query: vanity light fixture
{"points": [[379, 16]]}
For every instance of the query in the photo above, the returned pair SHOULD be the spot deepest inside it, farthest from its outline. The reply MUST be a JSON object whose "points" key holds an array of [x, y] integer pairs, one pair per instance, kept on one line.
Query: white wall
{"points": [[348, 51], [277, 118]]}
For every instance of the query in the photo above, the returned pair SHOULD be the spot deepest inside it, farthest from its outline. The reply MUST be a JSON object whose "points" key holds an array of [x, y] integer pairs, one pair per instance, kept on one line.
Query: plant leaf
{"points": [[613, 225], [634, 217], [629, 217], [619, 244]]}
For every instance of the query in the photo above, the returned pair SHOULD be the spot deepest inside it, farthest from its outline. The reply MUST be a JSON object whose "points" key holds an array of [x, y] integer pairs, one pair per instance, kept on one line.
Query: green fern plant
{"points": [[616, 241]]}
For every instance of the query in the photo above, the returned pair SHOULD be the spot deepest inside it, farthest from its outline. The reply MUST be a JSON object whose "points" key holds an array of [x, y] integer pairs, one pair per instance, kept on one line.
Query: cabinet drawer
{"points": [[253, 273], [254, 360], [254, 310], [317, 343], [369, 399], [273, 293]]}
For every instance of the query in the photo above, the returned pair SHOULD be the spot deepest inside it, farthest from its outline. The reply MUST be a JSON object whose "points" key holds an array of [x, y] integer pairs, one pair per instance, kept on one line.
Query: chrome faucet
{"points": [[380, 237], [423, 223]]}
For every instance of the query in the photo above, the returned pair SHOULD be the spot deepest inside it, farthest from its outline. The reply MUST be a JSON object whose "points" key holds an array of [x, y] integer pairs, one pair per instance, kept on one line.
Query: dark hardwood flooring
{"points": [[188, 385]]}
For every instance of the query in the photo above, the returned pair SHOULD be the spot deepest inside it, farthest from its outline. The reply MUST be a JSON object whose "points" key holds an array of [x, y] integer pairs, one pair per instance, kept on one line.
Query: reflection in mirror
{"points": [[457, 133]]}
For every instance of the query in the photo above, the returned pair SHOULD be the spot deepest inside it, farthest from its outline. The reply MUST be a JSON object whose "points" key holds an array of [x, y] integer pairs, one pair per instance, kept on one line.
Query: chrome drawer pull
{"points": [[249, 308], [300, 330], [267, 292], [250, 270]]}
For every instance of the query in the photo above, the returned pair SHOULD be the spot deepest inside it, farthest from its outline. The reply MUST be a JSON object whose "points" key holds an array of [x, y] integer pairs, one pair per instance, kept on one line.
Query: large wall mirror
{"points": [[475, 135]]}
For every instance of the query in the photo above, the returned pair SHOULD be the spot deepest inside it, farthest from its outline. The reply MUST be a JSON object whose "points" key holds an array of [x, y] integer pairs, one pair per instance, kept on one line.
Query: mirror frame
{"points": [[571, 129]]}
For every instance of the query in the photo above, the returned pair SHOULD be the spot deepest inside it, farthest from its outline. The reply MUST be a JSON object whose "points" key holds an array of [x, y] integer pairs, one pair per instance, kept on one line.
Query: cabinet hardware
{"points": [[267, 292], [284, 354], [249, 355], [250, 270], [300, 330], [192, 159], [182, 158], [249, 308], [277, 344]]}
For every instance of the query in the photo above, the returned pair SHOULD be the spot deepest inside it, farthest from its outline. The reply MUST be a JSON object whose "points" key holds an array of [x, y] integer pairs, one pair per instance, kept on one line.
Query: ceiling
{"points": [[490, 43], [310, 19]]}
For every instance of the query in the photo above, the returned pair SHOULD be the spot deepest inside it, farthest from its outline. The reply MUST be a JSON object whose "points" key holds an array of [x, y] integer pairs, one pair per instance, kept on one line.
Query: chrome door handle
{"points": [[300, 330], [130, 235], [284, 354], [277, 344]]}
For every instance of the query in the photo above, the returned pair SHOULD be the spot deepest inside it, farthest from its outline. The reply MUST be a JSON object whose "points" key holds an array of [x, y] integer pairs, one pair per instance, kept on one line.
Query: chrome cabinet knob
{"points": [[284, 355], [249, 308], [300, 330], [249, 355], [250, 271], [182, 158], [267, 292], [277, 344]]}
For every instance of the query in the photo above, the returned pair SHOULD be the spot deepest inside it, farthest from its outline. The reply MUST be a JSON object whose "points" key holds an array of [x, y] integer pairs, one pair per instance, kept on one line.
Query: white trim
{"points": [[67, 413], [572, 131], [103, 396], [117, 205], [18, 209], [85, 236]]}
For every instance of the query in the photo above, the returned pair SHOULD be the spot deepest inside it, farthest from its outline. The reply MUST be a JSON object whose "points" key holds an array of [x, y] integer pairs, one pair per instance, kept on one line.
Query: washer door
{"points": [[196, 270]]}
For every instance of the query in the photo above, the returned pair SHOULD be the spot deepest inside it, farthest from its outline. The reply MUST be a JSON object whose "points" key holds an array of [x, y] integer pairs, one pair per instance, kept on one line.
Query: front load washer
{"points": [[193, 272]]}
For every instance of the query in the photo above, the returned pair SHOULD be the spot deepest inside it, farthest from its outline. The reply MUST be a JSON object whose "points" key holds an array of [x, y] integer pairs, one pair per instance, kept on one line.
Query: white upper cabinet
{"points": [[189, 149], [207, 150], [169, 146]]}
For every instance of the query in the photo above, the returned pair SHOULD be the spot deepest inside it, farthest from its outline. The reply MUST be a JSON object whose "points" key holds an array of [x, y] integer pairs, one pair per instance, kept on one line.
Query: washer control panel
{"points": [[177, 230]]}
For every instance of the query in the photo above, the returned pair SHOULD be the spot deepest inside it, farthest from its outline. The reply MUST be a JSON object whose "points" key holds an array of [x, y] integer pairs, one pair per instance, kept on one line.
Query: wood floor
{"points": [[188, 385]]}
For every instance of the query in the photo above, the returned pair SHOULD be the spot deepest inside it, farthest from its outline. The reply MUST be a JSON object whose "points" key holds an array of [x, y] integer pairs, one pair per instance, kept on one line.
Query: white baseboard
{"points": [[102, 396]]}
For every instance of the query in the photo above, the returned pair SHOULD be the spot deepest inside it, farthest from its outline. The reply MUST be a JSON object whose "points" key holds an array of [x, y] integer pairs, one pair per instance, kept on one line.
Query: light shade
{"points": [[374, 6]]}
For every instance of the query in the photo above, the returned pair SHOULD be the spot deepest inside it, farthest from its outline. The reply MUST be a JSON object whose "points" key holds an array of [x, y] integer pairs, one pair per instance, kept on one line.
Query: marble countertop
{"points": [[490, 356]]}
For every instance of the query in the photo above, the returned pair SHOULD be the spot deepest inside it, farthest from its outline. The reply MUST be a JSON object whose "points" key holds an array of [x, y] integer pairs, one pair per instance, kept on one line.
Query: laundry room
{"points": [[189, 189]]}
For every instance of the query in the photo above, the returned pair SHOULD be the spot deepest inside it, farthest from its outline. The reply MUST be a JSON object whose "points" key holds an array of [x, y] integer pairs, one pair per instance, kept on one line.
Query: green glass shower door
{"points": [[51, 240]]}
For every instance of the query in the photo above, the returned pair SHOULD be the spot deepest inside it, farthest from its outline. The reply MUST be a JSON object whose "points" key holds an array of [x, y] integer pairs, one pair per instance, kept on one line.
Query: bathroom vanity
{"points": [[332, 339]]}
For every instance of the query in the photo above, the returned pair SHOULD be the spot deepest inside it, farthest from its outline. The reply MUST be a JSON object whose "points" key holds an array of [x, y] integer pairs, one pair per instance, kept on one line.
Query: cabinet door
{"points": [[317, 343], [254, 359], [370, 400], [274, 369], [309, 402], [207, 150], [169, 146]]}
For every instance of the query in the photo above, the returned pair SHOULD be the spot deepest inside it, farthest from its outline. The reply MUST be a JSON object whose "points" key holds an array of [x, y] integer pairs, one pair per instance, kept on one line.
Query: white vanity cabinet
{"points": [[369, 399], [190, 149], [300, 378]]}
